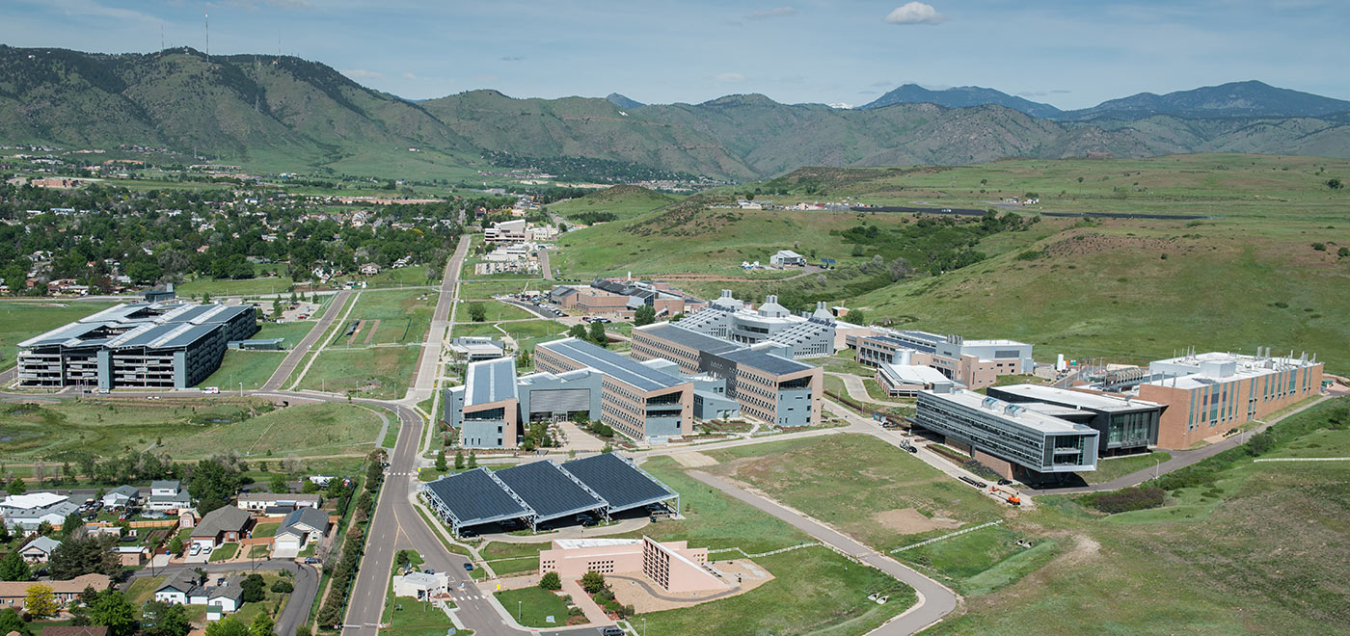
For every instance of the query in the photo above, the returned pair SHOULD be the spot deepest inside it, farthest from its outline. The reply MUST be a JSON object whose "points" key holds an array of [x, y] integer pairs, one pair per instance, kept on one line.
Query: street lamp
{"points": [[518, 611], [1157, 464]]}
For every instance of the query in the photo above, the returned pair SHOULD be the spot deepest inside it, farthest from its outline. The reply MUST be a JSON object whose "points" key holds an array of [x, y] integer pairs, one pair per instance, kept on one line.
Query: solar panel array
{"points": [[548, 490], [618, 482], [475, 497]]}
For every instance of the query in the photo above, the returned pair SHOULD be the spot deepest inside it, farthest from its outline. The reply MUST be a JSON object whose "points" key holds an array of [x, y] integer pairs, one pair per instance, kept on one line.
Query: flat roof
{"points": [[688, 338], [490, 381], [1009, 412], [915, 374], [1093, 401], [624, 369], [622, 484]]}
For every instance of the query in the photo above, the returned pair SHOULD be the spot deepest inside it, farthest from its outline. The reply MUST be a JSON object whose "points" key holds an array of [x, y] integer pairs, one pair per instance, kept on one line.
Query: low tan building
{"points": [[14, 593], [673, 565]]}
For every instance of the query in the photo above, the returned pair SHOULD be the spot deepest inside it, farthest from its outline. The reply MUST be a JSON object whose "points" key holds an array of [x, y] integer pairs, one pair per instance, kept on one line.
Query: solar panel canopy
{"points": [[474, 497], [548, 490], [618, 482]]}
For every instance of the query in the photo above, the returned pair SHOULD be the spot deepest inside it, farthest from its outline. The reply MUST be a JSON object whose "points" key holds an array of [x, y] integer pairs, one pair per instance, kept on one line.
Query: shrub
{"points": [[551, 581], [592, 582], [1030, 255], [1127, 500], [1321, 247], [282, 586]]}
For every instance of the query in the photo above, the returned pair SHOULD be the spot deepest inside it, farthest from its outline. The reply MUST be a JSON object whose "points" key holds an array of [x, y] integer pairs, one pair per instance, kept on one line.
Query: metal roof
{"points": [[766, 362], [625, 370], [1074, 399], [490, 381], [550, 491]]}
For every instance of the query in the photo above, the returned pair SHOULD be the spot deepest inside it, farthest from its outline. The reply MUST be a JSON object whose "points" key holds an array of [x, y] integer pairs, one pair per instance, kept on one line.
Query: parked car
{"points": [[311, 560], [195, 550], [610, 630], [468, 567], [1004, 482]]}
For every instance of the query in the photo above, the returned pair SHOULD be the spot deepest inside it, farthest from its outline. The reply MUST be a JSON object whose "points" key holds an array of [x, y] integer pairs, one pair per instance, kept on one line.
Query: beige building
{"points": [[13, 593], [636, 400], [673, 566]]}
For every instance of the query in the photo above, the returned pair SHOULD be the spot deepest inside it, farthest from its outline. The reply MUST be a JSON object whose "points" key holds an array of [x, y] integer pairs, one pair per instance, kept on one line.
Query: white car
{"points": [[195, 550], [211, 390]]}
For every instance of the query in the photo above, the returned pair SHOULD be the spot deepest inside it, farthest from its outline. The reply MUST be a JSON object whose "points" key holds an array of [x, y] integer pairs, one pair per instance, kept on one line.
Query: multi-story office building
{"points": [[636, 400], [768, 385], [1015, 441], [142, 345], [490, 409], [1210, 394], [808, 335], [973, 363], [1125, 425]]}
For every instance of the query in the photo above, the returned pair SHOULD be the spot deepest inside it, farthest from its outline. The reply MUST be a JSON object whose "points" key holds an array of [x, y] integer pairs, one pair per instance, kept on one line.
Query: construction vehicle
{"points": [[1011, 497]]}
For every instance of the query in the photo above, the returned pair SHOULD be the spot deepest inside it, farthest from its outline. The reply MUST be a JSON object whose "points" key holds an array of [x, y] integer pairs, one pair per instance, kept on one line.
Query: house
{"points": [[787, 257], [39, 550], [73, 630], [25, 513], [300, 528], [220, 526], [180, 588], [228, 597], [132, 555], [13, 593], [263, 501], [369, 269], [168, 495], [121, 497]]}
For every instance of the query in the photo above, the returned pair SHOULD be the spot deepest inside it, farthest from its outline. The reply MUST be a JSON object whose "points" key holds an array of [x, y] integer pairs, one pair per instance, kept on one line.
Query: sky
{"points": [[1069, 53]]}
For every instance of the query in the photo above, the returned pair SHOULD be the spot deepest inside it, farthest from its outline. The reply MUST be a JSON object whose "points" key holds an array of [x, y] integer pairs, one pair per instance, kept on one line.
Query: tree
{"points": [[597, 334], [477, 312], [645, 315], [459, 460], [14, 568], [84, 554], [71, 523], [161, 619], [255, 588], [282, 586], [440, 462], [45, 528], [857, 317], [1335, 184], [551, 582], [16, 487], [592, 581], [229, 626], [176, 545], [213, 484], [11, 622], [473, 460], [262, 625], [40, 602], [114, 610], [303, 630], [577, 331], [278, 484], [523, 359]]}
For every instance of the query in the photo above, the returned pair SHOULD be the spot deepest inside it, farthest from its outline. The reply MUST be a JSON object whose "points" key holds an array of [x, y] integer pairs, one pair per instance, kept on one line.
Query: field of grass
{"points": [[143, 589], [264, 283], [1112, 468], [527, 333], [479, 287], [225, 552], [524, 557], [329, 428], [852, 481], [376, 372], [23, 319], [844, 362], [1327, 443], [622, 201], [404, 315], [417, 619], [533, 605], [253, 368], [1199, 565], [265, 530], [494, 311]]}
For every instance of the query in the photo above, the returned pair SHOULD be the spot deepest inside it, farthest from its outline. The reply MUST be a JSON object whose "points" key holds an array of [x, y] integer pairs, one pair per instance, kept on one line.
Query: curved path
{"points": [[857, 390]]}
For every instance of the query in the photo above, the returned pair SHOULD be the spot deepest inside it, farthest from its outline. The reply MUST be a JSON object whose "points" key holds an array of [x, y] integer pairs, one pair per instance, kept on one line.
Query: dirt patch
{"points": [[694, 460], [911, 521], [370, 333], [1085, 548]]}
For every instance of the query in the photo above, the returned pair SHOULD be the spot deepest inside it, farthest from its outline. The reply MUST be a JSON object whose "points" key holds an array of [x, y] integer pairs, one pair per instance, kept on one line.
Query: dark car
{"points": [[311, 560], [468, 567], [1004, 482]]}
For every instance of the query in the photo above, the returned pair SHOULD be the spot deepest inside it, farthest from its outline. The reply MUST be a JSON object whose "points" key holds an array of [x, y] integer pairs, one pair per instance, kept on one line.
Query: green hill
{"points": [[621, 201], [279, 113]]}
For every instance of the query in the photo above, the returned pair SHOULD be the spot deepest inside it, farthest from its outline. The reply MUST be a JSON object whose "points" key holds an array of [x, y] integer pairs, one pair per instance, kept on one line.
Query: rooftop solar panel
{"points": [[765, 362], [623, 369], [474, 497], [548, 490], [689, 338], [620, 483]]}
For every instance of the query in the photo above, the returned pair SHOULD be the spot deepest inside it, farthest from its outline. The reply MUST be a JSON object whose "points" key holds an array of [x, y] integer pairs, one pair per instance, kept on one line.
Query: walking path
{"points": [[857, 390]]}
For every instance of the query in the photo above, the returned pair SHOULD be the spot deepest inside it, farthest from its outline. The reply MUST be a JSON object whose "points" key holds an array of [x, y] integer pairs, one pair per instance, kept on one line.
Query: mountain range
{"points": [[286, 113]]}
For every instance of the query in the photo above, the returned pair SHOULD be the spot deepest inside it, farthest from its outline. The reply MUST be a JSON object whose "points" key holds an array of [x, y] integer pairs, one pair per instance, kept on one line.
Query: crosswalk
{"points": [[400, 474]]}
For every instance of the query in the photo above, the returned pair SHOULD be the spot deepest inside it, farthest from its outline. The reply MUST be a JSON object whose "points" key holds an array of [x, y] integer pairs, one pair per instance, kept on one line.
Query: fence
{"points": [[947, 536]]}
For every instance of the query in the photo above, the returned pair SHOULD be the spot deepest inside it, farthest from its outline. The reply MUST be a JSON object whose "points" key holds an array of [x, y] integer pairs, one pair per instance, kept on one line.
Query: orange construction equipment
{"points": [[1012, 498]]}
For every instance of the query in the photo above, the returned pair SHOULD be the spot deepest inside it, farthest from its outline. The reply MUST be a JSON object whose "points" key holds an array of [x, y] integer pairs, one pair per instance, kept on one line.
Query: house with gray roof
{"points": [[225, 524]]}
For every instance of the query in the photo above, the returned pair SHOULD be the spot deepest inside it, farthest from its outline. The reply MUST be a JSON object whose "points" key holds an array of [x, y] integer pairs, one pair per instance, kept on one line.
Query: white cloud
{"points": [[915, 13], [730, 78], [360, 73], [409, 75], [780, 12]]}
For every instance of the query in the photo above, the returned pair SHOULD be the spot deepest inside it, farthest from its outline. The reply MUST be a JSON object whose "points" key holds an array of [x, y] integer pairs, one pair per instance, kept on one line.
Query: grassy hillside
{"points": [[622, 201], [1125, 289]]}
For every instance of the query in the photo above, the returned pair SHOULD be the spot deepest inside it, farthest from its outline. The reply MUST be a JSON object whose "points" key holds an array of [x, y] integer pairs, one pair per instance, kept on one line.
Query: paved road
{"points": [[296, 613], [858, 391], [935, 601], [441, 321], [297, 353], [544, 265]]}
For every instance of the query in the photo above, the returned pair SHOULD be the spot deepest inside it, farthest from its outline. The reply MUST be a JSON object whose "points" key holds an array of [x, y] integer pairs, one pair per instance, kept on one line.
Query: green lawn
{"points": [[216, 287], [958, 560], [417, 619], [527, 334], [23, 319], [253, 368], [377, 372], [532, 605], [404, 315], [844, 362], [265, 530], [1326, 443], [1112, 468], [143, 589], [258, 551], [855, 482], [225, 552], [495, 310], [523, 557], [480, 287], [623, 201]]}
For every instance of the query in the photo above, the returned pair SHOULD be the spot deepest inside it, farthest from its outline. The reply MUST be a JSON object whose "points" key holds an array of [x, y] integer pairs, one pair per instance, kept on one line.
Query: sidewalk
{"points": [[581, 599]]}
